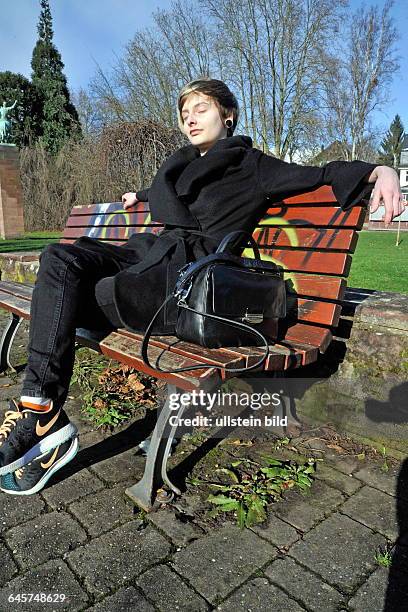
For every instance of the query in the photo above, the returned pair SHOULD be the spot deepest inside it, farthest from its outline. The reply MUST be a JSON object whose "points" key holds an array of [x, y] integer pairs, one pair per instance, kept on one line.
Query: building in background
{"points": [[375, 218]]}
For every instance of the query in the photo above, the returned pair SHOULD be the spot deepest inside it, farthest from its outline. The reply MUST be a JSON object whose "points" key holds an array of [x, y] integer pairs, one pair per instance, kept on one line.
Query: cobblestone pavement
{"points": [[80, 537]]}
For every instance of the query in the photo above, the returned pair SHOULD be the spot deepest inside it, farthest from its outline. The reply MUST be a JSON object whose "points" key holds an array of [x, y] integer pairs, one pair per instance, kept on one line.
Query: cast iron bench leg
{"points": [[287, 406], [7, 341], [143, 493]]}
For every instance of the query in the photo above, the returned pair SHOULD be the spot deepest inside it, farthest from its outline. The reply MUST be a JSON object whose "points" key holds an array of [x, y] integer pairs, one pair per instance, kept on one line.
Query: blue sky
{"points": [[89, 31]]}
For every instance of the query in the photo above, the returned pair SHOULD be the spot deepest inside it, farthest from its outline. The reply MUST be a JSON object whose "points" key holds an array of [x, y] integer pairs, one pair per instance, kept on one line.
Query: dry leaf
{"points": [[336, 447]]}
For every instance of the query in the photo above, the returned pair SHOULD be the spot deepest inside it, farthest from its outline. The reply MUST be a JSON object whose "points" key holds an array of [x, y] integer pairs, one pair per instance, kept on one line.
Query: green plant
{"points": [[255, 485], [383, 556], [110, 394]]}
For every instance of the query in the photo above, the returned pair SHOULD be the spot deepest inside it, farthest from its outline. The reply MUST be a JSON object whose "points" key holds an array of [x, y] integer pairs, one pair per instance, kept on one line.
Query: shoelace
{"points": [[10, 419], [20, 471]]}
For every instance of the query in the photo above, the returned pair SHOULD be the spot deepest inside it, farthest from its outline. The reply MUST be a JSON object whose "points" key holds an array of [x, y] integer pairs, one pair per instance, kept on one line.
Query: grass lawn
{"points": [[31, 241], [378, 263]]}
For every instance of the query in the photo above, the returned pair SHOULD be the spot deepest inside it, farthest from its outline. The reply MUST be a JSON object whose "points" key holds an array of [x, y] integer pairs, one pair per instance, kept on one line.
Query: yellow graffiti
{"points": [[109, 221], [291, 233]]}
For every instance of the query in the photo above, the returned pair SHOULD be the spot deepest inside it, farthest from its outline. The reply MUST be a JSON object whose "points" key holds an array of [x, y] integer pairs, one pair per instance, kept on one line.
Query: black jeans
{"points": [[69, 293]]}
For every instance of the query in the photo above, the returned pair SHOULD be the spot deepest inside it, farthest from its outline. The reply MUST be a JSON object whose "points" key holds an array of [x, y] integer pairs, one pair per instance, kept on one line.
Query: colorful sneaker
{"points": [[32, 477], [27, 433]]}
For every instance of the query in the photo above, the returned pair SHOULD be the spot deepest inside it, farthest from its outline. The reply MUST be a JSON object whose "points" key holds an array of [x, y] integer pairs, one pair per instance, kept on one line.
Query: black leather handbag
{"points": [[226, 300]]}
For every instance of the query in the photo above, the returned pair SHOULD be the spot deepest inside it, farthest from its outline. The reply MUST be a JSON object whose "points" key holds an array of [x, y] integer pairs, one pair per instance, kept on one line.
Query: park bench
{"points": [[308, 234]]}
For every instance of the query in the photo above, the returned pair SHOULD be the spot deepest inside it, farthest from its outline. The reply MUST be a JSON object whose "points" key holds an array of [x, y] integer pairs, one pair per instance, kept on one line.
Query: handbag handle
{"points": [[225, 242], [147, 335]]}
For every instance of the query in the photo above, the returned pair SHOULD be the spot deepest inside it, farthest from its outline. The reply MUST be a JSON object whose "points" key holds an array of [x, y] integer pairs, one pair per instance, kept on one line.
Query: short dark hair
{"points": [[219, 92]]}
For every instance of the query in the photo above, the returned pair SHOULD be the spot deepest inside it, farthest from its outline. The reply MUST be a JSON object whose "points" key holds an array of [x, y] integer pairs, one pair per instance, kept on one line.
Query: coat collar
{"points": [[183, 174]]}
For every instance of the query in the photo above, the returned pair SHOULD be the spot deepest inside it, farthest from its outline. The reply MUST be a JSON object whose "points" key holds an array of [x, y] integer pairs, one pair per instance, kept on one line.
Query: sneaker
{"points": [[27, 433], [32, 477]]}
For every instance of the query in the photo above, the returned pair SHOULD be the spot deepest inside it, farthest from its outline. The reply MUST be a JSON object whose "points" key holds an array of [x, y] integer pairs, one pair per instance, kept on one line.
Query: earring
{"points": [[228, 123]]}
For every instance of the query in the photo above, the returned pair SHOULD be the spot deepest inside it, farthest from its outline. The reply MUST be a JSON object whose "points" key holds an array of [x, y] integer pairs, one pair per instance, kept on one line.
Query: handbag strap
{"points": [[148, 332], [230, 238]]}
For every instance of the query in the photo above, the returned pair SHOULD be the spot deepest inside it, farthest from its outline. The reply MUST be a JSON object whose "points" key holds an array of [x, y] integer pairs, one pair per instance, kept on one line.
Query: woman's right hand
{"points": [[129, 199]]}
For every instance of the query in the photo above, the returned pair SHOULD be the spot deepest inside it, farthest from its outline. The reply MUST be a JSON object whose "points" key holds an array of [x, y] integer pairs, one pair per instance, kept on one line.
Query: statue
{"points": [[5, 124]]}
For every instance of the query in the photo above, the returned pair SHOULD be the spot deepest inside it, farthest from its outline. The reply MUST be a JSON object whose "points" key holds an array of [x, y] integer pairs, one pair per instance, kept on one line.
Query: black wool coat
{"points": [[202, 198]]}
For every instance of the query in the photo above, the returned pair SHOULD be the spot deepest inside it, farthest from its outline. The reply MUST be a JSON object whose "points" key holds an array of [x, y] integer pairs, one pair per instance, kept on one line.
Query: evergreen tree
{"points": [[26, 116], [391, 145], [59, 116]]}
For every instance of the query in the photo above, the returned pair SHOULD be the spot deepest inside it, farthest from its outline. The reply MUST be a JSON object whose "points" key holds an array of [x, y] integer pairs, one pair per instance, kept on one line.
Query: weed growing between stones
{"points": [[111, 394], [383, 556], [254, 485]]}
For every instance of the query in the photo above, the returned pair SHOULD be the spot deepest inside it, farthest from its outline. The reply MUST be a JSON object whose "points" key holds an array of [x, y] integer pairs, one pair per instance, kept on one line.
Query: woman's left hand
{"points": [[387, 188]]}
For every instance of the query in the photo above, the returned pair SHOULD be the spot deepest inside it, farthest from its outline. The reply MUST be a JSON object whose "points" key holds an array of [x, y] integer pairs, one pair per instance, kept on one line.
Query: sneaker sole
{"points": [[69, 455], [42, 447]]}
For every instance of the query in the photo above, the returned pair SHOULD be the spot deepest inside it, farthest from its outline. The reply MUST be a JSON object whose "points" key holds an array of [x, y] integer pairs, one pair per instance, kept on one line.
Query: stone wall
{"points": [[366, 393]]}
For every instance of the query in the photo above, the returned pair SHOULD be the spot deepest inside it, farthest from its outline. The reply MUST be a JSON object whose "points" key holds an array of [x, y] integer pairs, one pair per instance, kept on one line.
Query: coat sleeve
{"points": [[279, 179], [143, 195]]}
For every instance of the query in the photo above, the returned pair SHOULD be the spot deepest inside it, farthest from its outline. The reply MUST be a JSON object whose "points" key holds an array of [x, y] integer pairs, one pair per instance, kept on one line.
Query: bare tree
{"points": [[357, 83]]}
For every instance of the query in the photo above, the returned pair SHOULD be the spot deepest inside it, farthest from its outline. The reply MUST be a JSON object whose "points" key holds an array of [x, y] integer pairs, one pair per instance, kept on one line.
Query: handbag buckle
{"points": [[183, 293], [253, 318]]}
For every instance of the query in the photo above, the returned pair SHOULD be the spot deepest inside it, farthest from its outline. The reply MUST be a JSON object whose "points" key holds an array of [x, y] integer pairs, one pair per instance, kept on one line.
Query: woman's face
{"points": [[202, 123]]}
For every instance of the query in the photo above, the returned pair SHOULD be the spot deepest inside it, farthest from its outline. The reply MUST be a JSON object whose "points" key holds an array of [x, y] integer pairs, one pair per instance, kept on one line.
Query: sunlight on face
{"points": [[202, 123]]}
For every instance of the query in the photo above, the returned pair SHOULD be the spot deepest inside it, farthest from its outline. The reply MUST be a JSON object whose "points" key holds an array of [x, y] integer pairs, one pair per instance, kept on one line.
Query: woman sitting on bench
{"points": [[217, 184]]}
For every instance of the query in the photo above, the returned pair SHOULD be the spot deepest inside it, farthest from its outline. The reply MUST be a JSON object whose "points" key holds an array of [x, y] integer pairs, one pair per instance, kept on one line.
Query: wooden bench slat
{"points": [[22, 291], [128, 350], [266, 237], [108, 208], [103, 233], [316, 217], [322, 313], [319, 337], [309, 261], [192, 351], [311, 238], [322, 194], [230, 357], [114, 220], [19, 306], [327, 287]]}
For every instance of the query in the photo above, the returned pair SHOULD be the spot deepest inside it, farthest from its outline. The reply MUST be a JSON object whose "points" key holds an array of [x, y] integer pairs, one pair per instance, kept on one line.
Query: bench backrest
{"points": [[308, 234]]}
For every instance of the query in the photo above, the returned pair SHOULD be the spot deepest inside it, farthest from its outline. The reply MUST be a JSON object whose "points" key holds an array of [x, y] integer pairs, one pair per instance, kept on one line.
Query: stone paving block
{"points": [[386, 590], [16, 509], [374, 509], [89, 439], [46, 537], [304, 586], [168, 592], [371, 596], [7, 567], [221, 561], [124, 467], [110, 561], [180, 533], [340, 550], [259, 595], [384, 481], [339, 480], [102, 511], [73, 410], [342, 463], [71, 488], [305, 510], [276, 531], [54, 578], [127, 598]]}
